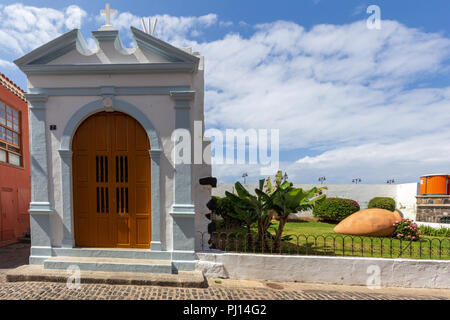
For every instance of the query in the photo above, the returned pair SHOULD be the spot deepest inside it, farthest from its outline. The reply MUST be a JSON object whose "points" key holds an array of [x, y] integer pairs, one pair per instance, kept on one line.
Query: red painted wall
{"points": [[14, 181]]}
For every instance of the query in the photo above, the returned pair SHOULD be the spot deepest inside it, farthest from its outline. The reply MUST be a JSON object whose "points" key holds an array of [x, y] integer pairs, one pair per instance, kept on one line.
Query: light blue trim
{"points": [[102, 36], [68, 240], [36, 62], [112, 253], [157, 232], [41, 241], [66, 166], [161, 48], [40, 208], [182, 95], [183, 265], [109, 35], [188, 255], [55, 54], [97, 106], [37, 100], [183, 210], [100, 91], [129, 68], [51, 48]]}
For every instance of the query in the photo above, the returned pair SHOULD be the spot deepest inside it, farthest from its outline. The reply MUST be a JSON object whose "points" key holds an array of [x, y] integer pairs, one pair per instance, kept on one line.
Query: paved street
{"points": [[15, 255]]}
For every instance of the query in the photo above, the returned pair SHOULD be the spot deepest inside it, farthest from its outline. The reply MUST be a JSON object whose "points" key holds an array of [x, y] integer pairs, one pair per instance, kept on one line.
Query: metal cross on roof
{"points": [[108, 12]]}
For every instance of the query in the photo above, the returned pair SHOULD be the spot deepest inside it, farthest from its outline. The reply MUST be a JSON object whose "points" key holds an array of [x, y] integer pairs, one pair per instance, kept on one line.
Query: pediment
{"points": [[70, 54]]}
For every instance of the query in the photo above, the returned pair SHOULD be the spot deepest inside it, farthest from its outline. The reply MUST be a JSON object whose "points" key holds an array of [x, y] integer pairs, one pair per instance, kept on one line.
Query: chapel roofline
{"points": [[36, 61]]}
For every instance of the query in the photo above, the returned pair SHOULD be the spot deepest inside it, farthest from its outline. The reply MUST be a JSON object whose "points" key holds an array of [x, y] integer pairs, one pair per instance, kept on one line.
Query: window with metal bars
{"points": [[101, 168], [122, 200], [121, 169], [122, 191], [101, 173], [102, 200]]}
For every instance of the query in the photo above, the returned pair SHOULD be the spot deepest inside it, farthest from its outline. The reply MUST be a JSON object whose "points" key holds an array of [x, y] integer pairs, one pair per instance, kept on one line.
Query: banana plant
{"points": [[252, 208], [288, 200]]}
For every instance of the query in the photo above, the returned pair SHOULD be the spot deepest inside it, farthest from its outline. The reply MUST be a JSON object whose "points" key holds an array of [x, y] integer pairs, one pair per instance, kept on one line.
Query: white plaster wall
{"points": [[404, 194], [327, 270], [406, 199]]}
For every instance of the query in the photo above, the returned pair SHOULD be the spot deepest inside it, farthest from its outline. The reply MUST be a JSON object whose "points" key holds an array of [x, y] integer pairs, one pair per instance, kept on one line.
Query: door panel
{"points": [[111, 178], [9, 213]]}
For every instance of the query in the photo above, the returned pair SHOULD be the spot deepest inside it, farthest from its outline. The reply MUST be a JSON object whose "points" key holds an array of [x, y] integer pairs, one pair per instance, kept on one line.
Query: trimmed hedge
{"points": [[335, 209], [382, 203]]}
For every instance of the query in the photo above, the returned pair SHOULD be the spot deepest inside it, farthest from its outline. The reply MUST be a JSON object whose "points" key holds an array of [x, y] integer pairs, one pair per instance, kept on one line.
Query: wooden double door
{"points": [[111, 183]]}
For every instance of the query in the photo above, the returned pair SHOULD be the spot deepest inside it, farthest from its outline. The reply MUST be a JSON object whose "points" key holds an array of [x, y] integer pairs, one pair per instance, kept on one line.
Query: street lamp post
{"points": [[245, 175], [322, 179], [356, 180]]}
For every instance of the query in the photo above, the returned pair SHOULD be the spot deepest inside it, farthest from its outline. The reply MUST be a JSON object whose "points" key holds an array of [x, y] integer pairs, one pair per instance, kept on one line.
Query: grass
{"points": [[317, 238], [429, 231]]}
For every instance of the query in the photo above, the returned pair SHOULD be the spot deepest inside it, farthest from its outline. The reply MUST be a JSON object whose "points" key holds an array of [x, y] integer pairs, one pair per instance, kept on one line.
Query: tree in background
{"points": [[286, 199]]}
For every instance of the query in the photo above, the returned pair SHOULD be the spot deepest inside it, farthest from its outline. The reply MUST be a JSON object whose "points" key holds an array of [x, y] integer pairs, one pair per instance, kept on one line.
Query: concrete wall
{"points": [[404, 194], [327, 270]]}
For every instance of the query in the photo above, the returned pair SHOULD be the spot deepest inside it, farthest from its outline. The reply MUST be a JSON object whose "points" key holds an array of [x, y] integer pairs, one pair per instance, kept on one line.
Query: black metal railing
{"points": [[330, 245]]}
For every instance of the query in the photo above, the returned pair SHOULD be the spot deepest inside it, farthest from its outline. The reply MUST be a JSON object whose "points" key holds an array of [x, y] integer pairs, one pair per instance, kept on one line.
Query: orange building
{"points": [[14, 162]]}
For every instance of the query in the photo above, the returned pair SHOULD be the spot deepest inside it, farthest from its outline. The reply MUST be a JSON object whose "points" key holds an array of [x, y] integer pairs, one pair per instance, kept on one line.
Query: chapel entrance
{"points": [[111, 183]]}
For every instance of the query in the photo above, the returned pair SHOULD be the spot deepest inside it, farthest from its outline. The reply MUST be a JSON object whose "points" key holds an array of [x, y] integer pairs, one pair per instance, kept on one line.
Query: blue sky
{"points": [[349, 102]]}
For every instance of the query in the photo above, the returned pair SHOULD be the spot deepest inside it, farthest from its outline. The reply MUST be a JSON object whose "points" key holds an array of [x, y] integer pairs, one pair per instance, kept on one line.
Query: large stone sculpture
{"points": [[369, 222]]}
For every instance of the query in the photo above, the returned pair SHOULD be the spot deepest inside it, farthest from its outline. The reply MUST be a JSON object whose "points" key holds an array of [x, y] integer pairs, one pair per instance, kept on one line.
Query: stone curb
{"points": [[37, 273]]}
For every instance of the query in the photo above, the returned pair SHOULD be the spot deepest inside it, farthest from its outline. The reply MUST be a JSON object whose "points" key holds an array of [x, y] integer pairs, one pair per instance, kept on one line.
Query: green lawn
{"points": [[317, 238]]}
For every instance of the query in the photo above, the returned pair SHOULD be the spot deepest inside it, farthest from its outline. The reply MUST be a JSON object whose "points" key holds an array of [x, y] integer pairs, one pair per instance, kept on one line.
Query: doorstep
{"points": [[184, 279]]}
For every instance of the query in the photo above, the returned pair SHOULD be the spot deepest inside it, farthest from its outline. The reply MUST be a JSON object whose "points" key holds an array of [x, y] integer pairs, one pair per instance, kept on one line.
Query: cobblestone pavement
{"points": [[14, 255], [217, 290], [59, 291]]}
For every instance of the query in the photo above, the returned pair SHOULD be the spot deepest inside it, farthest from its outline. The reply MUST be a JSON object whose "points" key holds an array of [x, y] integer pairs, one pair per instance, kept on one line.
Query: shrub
{"points": [[406, 229], [335, 209], [223, 209], [382, 203]]}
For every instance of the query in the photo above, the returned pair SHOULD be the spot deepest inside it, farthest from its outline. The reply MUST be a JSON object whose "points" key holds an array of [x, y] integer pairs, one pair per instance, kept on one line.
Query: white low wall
{"points": [[434, 225], [326, 270], [403, 194]]}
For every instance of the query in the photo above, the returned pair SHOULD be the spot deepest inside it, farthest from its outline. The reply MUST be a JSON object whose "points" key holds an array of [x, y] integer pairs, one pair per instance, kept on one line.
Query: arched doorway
{"points": [[111, 182]]}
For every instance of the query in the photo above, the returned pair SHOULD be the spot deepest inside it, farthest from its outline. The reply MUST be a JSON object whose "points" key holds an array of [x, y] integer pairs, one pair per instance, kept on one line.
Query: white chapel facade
{"points": [[103, 179]]}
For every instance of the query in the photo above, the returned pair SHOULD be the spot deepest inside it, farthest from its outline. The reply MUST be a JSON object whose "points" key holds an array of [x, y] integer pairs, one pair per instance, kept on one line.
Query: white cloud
{"points": [[23, 28], [7, 64], [334, 87], [404, 160], [75, 16], [321, 86], [169, 28], [225, 23]]}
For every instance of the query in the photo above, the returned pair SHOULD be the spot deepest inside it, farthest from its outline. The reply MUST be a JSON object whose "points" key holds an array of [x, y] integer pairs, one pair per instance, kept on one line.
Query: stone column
{"points": [[183, 210], [155, 158], [40, 207], [68, 240]]}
